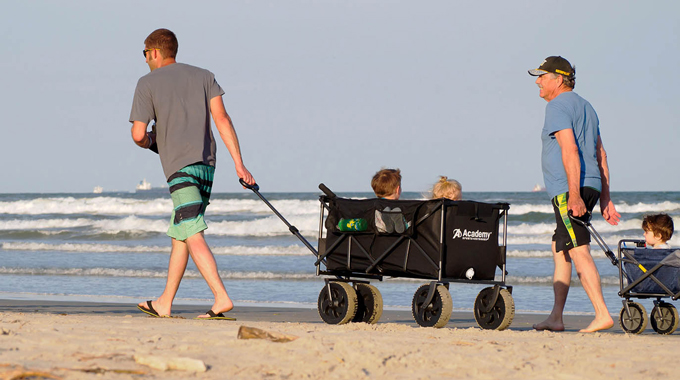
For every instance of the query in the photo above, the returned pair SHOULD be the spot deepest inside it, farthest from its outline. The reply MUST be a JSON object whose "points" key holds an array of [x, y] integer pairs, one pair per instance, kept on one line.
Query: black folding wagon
{"points": [[440, 241]]}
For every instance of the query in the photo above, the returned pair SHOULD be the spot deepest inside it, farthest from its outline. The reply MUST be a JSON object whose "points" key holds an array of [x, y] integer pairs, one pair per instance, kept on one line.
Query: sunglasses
{"points": [[145, 50]]}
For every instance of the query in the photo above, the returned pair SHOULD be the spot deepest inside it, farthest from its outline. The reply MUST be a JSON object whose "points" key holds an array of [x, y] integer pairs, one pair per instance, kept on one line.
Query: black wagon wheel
{"points": [[664, 318], [437, 312], [338, 307], [500, 315], [636, 322], [369, 304]]}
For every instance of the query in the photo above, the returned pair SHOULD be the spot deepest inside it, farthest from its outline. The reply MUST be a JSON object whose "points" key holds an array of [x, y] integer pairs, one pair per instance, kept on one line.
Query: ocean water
{"points": [[113, 247]]}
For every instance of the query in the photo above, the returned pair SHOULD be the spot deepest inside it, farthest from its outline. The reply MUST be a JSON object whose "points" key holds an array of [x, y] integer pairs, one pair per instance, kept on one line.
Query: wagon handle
{"points": [[247, 186], [327, 191], [256, 189], [584, 220]]}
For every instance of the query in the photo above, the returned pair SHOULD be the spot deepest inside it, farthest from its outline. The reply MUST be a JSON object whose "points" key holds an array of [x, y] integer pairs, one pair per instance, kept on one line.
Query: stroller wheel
{"points": [[636, 322], [501, 314], [369, 304], [338, 307], [437, 312], [664, 318]]}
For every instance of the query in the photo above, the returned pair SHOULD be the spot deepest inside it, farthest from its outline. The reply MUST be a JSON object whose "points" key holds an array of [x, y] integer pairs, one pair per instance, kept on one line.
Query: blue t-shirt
{"points": [[570, 111]]}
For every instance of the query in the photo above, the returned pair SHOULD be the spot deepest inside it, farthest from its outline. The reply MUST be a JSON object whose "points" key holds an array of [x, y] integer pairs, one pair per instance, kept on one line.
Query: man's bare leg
{"points": [[205, 262], [561, 282], [179, 256], [590, 279]]}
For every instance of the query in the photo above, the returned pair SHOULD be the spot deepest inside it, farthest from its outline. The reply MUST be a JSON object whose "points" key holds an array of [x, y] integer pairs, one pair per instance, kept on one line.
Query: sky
{"points": [[332, 91]]}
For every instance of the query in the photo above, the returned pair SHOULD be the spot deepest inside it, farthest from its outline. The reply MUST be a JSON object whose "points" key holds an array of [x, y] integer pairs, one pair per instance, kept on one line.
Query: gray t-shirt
{"points": [[178, 97]]}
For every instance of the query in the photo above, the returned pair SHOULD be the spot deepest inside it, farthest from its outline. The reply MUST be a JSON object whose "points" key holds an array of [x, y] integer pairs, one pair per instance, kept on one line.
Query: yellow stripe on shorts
{"points": [[564, 213]]}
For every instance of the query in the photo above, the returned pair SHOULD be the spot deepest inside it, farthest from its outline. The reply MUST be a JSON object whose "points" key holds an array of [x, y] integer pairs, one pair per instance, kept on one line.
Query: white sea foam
{"points": [[43, 224], [160, 206], [269, 226], [640, 207], [143, 273], [621, 207], [240, 250], [548, 280], [95, 206], [600, 226], [259, 275], [521, 209]]}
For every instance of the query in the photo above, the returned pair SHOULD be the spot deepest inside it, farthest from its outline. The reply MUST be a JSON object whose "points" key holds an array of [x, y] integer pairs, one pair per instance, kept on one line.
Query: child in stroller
{"points": [[650, 273]]}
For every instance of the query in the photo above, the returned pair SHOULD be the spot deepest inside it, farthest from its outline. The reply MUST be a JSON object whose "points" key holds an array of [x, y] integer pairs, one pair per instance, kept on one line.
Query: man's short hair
{"points": [[659, 224], [164, 40], [570, 81], [385, 182]]}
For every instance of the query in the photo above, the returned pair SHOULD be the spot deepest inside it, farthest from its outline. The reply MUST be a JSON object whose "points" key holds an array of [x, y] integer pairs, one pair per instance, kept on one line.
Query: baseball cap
{"points": [[554, 64]]}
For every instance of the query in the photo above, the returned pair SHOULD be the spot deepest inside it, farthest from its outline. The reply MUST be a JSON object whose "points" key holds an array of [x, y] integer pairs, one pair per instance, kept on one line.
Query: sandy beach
{"points": [[74, 340]]}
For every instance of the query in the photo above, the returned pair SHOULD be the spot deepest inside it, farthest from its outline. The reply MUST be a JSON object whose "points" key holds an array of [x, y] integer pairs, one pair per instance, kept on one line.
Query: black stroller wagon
{"points": [[644, 273], [437, 240]]}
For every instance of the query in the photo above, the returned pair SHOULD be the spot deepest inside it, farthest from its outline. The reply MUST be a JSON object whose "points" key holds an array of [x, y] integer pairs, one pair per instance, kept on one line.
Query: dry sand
{"points": [[73, 340]]}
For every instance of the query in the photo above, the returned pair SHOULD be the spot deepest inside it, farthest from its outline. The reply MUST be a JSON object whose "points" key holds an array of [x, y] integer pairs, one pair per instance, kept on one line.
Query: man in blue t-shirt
{"points": [[576, 176]]}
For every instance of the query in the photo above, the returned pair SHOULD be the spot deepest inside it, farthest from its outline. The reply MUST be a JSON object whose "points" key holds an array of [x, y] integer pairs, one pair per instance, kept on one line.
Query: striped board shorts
{"points": [[190, 191]]}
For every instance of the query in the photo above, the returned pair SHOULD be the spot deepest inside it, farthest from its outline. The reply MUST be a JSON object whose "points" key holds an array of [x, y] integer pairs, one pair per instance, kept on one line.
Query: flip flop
{"points": [[150, 310], [215, 317]]}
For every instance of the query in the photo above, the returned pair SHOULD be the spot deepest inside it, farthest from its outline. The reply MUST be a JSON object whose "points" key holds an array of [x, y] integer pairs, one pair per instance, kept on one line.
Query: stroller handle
{"points": [[583, 220], [247, 186]]}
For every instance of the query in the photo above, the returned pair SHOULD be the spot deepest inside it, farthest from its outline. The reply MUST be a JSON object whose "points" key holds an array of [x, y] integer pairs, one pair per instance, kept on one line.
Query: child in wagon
{"points": [[658, 230]]}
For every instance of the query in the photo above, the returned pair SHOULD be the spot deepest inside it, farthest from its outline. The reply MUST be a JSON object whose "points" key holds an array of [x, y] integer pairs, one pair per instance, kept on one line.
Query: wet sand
{"points": [[81, 340]]}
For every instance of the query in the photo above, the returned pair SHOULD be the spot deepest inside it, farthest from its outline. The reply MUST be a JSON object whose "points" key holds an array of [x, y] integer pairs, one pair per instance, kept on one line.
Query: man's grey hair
{"points": [[568, 81]]}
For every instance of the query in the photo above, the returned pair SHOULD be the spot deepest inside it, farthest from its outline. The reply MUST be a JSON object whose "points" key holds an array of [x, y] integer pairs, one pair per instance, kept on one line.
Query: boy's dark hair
{"points": [[659, 224], [385, 182], [164, 40]]}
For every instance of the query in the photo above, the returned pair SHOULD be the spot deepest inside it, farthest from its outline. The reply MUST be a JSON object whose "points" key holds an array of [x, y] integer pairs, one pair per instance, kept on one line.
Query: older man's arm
{"points": [[606, 205], [572, 166]]}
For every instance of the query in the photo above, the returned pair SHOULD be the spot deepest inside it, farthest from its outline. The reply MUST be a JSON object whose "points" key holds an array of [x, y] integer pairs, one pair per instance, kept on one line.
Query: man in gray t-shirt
{"points": [[181, 98]]}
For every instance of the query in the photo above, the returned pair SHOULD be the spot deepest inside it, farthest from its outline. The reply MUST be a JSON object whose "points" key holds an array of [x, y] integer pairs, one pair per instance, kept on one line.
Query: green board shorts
{"points": [[190, 189], [569, 234]]}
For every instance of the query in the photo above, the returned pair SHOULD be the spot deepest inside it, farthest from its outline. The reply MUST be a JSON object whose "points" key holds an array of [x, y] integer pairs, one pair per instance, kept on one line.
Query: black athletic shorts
{"points": [[569, 234]]}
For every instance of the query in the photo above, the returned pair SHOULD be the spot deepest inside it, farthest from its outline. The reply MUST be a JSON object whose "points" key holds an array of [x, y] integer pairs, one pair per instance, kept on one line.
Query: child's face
{"points": [[652, 239]]}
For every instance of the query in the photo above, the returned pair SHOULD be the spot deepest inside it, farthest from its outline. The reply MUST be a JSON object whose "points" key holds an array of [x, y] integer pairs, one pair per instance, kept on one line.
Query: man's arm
{"points": [[572, 166], [606, 205], [139, 135], [228, 134]]}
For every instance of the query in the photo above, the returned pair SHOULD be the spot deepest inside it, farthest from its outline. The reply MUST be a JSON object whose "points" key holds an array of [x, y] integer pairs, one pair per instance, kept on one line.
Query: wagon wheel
{"points": [[501, 314], [636, 322], [341, 307], [664, 318], [369, 304], [437, 312]]}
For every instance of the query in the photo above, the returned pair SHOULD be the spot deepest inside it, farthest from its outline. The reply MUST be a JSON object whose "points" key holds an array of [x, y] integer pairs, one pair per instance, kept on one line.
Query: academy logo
{"points": [[471, 235]]}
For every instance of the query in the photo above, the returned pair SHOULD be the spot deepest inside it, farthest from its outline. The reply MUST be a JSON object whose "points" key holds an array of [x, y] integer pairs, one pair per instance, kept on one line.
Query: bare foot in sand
{"points": [[219, 308], [550, 324], [598, 324]]}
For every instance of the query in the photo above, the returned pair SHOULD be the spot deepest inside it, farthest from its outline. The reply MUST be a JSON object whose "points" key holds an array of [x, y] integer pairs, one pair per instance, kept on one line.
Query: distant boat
{"points": [[98, 190], [143, 185], [146, 187], [538, 188]]}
